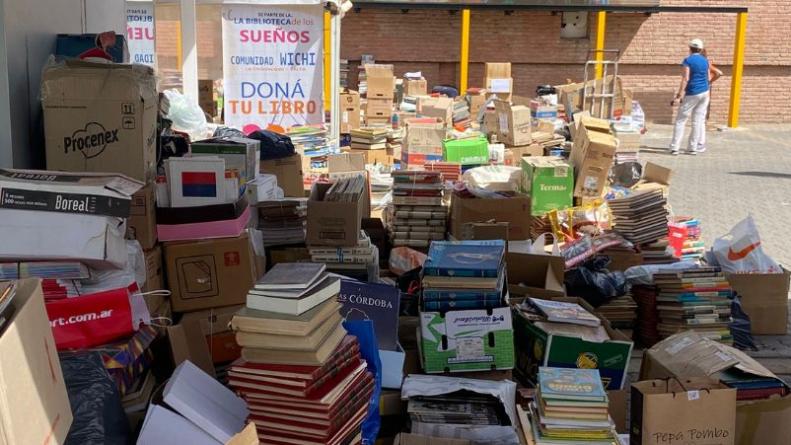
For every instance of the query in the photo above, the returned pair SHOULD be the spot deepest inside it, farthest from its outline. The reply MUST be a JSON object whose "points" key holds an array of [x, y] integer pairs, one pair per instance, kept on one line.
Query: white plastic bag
{"points": [[740, 251], [186, 115]]}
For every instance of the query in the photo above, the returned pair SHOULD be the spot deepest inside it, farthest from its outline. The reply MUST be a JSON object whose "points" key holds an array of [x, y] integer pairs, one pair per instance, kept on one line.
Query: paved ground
{"points": [[744, 171]]}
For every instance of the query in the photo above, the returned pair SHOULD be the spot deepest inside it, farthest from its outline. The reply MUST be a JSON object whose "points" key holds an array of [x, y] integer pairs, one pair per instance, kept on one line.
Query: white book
{"points": [[162, 425], [205, 402], [291, 276], [330, 287]]}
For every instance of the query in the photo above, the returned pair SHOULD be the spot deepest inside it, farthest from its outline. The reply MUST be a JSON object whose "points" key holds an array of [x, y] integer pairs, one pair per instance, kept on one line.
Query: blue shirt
{"points": [[698, 74]]}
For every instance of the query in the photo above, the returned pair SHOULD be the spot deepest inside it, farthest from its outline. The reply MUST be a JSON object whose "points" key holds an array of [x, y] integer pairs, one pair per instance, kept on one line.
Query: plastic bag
{"points": [[494, 178], [740, 251], [594, 283], [741, 326], [574, 222], [404, 259], [364, 331], [99, 416], [186, 115], [626, 175], [644, 275]]}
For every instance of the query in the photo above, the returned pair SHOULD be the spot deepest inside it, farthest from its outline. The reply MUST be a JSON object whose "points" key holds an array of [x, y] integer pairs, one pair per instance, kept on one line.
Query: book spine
{"points": [[443, 306], [54, 201], [440, 271], [438, 295], [349, 360]]}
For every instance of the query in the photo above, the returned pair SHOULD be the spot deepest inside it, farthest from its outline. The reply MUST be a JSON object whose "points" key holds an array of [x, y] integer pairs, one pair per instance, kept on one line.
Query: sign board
{"points": [[273, 65], [140, 33]]}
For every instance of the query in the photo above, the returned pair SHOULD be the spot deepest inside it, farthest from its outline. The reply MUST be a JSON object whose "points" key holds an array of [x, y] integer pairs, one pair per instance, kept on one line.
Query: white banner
{"points": [[140, 32], [272, 65]]}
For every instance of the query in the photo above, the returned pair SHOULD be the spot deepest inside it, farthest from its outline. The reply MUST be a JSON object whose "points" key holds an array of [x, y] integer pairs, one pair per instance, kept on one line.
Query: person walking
{"points": [[714, 74], [693, 95]]}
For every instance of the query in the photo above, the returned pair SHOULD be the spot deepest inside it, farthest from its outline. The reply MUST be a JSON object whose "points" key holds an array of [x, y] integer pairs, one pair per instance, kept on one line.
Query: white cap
{"points": [[696, 43]]}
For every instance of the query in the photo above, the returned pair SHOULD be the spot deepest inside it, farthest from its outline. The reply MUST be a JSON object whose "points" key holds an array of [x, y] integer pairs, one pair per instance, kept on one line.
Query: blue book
{"points": [[376, 302], [571, 384], [450, 305], [473, 259], [465, 294]]}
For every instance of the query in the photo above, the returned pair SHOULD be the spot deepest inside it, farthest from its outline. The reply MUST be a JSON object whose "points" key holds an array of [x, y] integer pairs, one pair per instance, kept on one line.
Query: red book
{"points": [[324, 398], [759, 393], [344, 435], [302, 375], [298, 388]]}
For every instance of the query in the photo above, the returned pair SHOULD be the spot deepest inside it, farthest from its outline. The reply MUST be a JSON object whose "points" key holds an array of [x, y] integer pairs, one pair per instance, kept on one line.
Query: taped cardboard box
{"points": [[289, 174], [497, 70], [515, 211], [687, 354], [376, 108], [379, 156], [333, 223], [208, 274], [514, 155], [436, 107], [476, 100], [593, 162], [764, 299], [415, 87], [381, 82], [514, 123], [350, 110], [101, 118], [35, 405], [424, 136], [142, 222]]}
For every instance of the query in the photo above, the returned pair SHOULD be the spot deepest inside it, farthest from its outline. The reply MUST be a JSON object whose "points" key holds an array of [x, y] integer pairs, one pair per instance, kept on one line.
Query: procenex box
{"points": [[474, 340], [549, 180]]}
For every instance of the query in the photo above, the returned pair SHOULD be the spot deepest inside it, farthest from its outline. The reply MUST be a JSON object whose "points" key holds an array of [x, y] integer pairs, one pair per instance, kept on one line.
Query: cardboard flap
{"points": [[346, 162], [656, 173], [535, 274], [248, 436]]}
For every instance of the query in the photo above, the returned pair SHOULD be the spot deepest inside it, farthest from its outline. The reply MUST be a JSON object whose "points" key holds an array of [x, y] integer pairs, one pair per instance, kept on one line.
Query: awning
{"points": [[635, 6]]}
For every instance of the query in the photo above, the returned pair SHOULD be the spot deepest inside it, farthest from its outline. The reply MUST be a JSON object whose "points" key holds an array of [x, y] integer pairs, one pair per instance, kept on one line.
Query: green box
{"points": [[473, 340], [549, 180], [535, 347], [469, 151]]}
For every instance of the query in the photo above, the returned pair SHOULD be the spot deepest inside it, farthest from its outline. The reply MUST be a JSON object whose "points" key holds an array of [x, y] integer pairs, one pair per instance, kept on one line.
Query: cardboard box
{"points": [[549, 181], [209, 273], [476, 102], [381, 82], [593, 163], [390, 403], [654, 177], [415, 87], [487, 338], [35, 406], [515, 211], [628, 141], [514, 155], [537, 347], [241, 154], [142, 222], [686, 355], [101, 118], [289, 174], [416, 439], [195, 338], [350, 110], [764, 299], [436, 107], [379, 156], [206, 98], [424, 136], [514, 123], [500, 87], [333, 223], [155, 274], [469, 151], [379, 108], [392, 367], [497, 70], [535, 274], [618, 408]]}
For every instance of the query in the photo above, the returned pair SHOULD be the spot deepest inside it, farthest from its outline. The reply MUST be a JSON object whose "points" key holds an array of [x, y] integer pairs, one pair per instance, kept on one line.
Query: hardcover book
{"points": [[465, 258], [570, 384], [376, 302]]}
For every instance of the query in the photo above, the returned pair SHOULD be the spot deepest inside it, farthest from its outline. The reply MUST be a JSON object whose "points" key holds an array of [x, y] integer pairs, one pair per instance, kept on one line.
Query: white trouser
{"points": [[696, 107]]}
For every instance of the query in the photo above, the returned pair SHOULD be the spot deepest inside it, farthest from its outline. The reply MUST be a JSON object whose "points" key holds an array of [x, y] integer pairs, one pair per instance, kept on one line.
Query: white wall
{"points": [[29, 30]]}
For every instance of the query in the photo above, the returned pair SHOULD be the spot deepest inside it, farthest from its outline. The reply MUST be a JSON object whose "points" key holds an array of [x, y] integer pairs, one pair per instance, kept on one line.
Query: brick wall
{"points": [[652, 48]]}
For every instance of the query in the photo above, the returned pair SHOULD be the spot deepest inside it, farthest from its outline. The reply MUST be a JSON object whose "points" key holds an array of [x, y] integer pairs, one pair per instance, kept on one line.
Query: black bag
{"points": [[594, 283], [273, 145]]}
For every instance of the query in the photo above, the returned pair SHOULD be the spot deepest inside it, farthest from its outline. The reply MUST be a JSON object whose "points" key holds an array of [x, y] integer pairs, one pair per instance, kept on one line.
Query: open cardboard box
{"points": [[333, 223], [535, 275], [687, 354]]}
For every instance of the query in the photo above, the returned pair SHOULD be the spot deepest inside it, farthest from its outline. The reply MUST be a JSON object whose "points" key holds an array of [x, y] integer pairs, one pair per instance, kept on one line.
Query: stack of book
{"points": [[461, 115], [464, 275], [344, 74], [418, 214], [752, 386], [301, 375], [346, 189], [350, 261], [369, 138], [395, 142], [451, 171], [658, 252], [698, 299], [312, 142], [571, 407], [282, 221], [647, 332], [641, 217], [685, 235], [621, 312], [563, 312]]}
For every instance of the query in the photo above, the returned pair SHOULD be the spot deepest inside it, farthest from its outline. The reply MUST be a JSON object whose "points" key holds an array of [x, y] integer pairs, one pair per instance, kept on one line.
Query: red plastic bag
{"points": [[91, 320]]}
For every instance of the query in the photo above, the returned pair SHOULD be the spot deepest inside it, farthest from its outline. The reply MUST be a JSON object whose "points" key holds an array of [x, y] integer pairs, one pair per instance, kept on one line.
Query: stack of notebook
{"points": [[647, 333], [369, 138], [282, 221], [641, 217], [395, 143], [312, 143], [621, 312], [418, 214], [698, 299], [658, 252], [461, 115], [571, 407], [464, 275], [300, 373], [451, 171]]}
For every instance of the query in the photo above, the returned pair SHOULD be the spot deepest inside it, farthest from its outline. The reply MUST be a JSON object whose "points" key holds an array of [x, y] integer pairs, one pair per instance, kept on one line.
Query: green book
{"points": [[571, 384]]}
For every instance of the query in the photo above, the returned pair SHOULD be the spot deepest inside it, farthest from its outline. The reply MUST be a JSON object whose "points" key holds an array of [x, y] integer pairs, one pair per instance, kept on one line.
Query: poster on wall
{"points": [[140, 32], [272, 68]]}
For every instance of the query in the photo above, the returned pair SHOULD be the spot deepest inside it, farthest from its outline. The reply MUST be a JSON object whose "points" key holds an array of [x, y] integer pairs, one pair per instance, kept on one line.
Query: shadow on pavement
{"points": [[764, 174]]}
